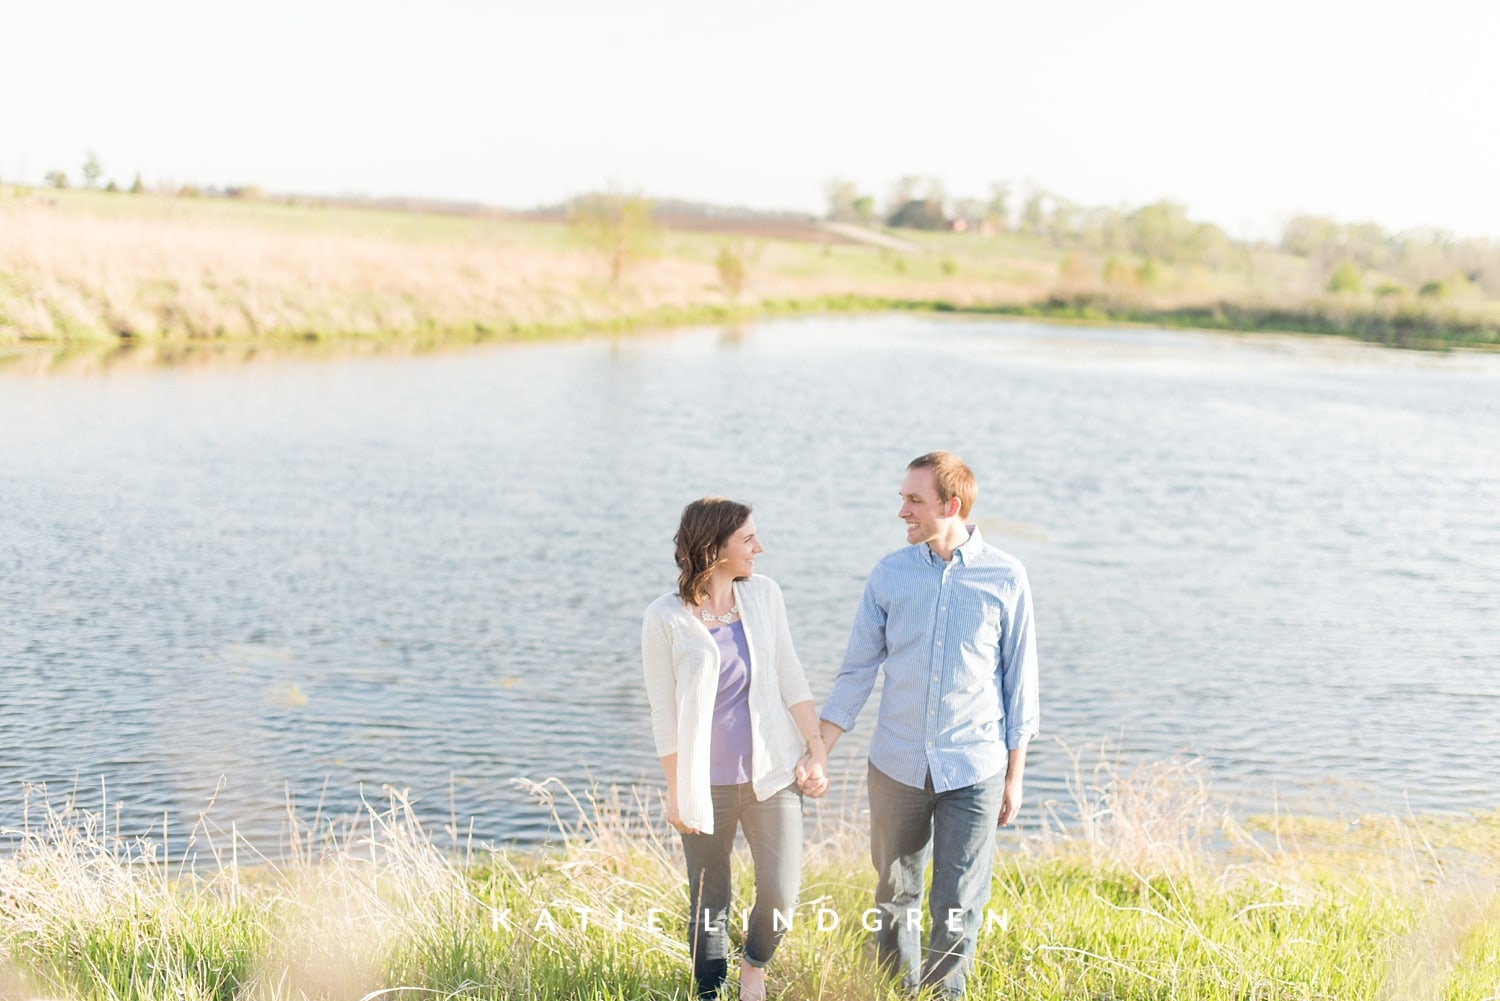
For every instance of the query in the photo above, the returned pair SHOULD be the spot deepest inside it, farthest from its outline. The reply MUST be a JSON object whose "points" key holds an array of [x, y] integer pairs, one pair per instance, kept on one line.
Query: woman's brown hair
{"points": [[707, 523]]}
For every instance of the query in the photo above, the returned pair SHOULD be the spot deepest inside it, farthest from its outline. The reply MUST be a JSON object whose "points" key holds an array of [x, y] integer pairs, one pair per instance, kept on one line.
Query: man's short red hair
{"points": [[953, 476]]}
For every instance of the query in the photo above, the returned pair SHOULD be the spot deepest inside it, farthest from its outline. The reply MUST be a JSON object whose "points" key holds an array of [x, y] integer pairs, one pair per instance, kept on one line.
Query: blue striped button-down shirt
{"points": [[959, 652]]}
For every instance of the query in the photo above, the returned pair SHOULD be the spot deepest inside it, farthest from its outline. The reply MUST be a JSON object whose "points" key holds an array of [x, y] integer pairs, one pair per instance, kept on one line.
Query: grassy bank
{"points": [[90, 268], [1127, 904]]}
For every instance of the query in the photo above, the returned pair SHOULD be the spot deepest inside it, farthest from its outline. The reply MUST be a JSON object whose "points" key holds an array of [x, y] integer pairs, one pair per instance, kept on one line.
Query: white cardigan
{"points": [[681, 660]]}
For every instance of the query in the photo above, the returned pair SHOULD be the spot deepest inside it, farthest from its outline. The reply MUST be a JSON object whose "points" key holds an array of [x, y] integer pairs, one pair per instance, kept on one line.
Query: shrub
{"points": [[1346, 278], [733, 265], [1117, 274], [91, 171], [920, 213], [618, 225], [1076, 270]]}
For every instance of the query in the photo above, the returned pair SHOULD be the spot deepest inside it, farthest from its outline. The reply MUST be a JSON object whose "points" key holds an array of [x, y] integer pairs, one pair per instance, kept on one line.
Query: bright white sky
{"points": [[1247, 112]]}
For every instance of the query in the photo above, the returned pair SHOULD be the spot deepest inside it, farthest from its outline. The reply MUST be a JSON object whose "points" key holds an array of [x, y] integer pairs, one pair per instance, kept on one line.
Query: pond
{"points": [[234, 587]]}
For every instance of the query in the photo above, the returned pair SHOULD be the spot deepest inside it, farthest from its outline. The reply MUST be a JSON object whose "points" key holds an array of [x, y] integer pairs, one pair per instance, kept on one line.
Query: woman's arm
{"points": [[661, 682], [812, 768], [661, 694], [674, 815], [789, 676]]}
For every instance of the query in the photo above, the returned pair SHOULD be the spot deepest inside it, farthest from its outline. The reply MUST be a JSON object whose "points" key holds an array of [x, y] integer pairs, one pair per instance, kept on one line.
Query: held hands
{"points": [[812, 772]]}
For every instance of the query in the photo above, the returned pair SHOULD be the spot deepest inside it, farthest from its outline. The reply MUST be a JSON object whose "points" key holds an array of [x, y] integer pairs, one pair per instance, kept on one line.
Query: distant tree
{"points": [[915, 188], [1148, 274], [839, 193], [138, 187], [1117, 274], [934, 190], [997, 212], [1324, 241], [1104, 230], [907, 189], [972, 212], [733, 265], [1368, 245], [1077, 271], [1034, 213], [1161, 230], [1062, 223], [846, 203], [920, 213], [618, 225], [1207, 244], [1346, 280], [111, 186], [1306, 235], [91, 170], [56, 178], [1461, 286]]}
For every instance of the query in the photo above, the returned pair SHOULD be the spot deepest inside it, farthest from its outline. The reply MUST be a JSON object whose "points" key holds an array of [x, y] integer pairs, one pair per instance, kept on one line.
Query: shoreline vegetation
{"points": [[1149, 892], [90, 270]]}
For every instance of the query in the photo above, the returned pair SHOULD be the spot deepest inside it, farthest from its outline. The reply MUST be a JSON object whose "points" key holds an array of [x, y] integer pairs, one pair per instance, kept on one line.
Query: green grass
{"points": [[1125, 903]]}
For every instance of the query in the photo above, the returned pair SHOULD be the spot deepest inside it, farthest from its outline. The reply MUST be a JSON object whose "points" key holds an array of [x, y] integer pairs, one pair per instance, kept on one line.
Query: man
{"points": [[949, 619]]}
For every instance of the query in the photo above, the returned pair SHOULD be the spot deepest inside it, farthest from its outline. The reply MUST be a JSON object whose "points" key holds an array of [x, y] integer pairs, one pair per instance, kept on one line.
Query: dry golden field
{"points": [[96, 268]]}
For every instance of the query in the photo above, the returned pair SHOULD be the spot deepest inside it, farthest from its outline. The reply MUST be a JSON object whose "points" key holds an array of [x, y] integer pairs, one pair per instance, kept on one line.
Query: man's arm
{"points": [[862, 659], [1015, 770], [856, 679], [1018, 670], [1018, 694]]}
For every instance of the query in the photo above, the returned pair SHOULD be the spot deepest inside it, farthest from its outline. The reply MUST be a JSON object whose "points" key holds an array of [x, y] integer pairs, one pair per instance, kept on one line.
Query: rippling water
{"points": [[305, 580]]}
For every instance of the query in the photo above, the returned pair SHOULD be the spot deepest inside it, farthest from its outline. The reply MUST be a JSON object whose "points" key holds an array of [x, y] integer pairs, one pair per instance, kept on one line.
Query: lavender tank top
{"points": [[729, 747]]}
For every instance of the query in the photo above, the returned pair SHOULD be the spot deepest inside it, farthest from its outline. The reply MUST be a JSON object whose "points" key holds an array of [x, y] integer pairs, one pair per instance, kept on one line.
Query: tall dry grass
{"points": [[85, 266], [169, 270], [1148, 891], [79, 267]]}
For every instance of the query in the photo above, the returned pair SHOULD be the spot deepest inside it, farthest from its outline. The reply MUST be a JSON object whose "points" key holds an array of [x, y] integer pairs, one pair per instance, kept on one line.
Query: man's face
{"points": [[923, 513]]}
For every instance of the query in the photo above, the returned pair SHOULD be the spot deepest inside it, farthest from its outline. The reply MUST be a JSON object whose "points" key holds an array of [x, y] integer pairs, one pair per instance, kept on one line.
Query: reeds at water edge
{"points": [[1141, 888]]}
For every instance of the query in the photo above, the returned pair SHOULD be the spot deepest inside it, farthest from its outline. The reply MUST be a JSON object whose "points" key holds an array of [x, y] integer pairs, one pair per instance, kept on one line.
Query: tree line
{"points": [[1349, 257]]}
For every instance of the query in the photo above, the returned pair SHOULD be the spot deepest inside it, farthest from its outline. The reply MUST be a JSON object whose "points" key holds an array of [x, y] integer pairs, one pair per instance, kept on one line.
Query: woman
{"points": [[736, 729]]}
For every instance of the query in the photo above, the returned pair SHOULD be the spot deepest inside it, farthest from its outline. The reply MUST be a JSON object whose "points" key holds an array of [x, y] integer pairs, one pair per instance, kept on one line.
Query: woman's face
{"points": [[737, 554]]}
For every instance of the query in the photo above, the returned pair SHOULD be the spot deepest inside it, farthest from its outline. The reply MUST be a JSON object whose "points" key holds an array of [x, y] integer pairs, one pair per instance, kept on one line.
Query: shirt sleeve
{"points": [[789, 674], [1018, 669], [661, 681], [862, 660]]}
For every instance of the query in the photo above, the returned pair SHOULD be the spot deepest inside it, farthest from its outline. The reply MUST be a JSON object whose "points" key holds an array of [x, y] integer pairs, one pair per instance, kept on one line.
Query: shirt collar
{"points": [[965, 552]]}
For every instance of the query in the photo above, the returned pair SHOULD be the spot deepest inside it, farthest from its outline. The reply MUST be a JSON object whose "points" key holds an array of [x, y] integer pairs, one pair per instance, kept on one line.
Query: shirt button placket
{"points": [[934, 677]]}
